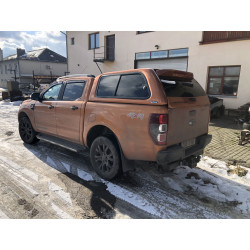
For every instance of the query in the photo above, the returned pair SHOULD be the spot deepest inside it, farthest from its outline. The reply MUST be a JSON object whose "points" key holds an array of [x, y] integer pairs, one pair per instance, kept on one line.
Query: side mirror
{"points": [[36, 96]]}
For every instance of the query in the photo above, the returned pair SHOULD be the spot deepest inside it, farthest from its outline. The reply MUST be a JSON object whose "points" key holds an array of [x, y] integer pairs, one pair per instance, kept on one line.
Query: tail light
{"points": [[158, 126]]}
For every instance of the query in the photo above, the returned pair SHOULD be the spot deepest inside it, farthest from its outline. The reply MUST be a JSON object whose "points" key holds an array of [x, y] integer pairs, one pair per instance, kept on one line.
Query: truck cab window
{"points": [[52, 93]]}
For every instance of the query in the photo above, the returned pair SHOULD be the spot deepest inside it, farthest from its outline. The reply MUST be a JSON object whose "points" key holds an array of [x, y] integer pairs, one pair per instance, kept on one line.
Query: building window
{"points": [[224, 36], [72, 40], [6, 70], [144, 55], [223, 80], [94, 41], [162, 54], [178, 52]]}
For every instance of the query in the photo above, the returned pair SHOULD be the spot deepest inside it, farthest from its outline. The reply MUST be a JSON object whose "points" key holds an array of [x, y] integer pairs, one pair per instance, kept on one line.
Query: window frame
{"points": [[70, 82], [95, 47], [117, 86], [222, 80], [157, 58]]}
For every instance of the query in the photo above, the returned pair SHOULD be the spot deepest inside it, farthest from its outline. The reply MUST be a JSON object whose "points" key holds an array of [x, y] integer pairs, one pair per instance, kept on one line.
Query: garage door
{"points": [[175, 63]]}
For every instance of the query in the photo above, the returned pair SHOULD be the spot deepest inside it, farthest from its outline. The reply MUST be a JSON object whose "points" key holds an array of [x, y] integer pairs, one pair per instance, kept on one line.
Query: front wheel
{"points": [[26, 131], [105, 158]]}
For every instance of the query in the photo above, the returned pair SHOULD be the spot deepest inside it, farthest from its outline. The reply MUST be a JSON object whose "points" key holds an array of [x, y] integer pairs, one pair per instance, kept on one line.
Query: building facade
{"points": [[220, 61], [39, 66]]}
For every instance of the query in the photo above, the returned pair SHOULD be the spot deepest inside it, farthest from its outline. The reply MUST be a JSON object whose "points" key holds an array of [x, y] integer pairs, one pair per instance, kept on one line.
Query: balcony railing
{"points": [[224, 36], [104, 53]]}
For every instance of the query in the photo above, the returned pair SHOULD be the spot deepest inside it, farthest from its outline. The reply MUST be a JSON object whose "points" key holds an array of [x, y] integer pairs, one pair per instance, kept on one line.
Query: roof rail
{"points": [[75, 75]]}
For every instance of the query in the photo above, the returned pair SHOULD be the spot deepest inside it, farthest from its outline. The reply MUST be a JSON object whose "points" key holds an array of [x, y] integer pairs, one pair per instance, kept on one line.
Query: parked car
{"points": [[141, 114]]}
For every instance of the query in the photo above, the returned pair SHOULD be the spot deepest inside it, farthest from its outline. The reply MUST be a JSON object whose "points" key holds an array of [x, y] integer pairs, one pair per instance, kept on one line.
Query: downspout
{"points": [[66, 48]]}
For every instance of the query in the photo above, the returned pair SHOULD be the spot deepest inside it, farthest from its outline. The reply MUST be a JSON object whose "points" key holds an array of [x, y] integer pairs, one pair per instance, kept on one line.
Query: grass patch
{"points": [[238, 170]]}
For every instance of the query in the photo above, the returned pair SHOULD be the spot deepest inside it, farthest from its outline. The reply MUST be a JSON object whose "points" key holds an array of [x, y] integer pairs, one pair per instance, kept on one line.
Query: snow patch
{"points": [[59, 191], [84, 175], [60, 212]]}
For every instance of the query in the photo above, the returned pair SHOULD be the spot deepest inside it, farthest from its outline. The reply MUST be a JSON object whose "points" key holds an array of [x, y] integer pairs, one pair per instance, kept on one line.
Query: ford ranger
{"points": [[141, 114]]}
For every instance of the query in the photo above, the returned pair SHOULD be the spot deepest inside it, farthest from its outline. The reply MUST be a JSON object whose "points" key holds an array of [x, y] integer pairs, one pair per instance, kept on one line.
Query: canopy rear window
{"points": [[182, 88]]}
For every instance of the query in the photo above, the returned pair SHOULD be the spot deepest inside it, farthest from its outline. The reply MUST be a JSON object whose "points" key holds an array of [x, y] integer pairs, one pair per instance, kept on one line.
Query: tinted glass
{"points": [[214, 86], [178, 52], [52, 93], [183, 89], [107, 85], [230, 85], [73, 91], [132, 86]]}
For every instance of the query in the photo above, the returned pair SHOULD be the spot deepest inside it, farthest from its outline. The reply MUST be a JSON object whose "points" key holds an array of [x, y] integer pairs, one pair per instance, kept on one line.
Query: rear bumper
{"points": [[178, 153]]}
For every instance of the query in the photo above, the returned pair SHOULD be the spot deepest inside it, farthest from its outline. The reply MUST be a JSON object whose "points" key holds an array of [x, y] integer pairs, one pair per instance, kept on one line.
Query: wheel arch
{"points": [[101, 130], [22, 114]]}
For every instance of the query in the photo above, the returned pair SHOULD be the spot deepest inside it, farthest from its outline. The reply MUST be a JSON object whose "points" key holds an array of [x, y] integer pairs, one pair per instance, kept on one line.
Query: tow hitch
{"points": [[191, 161]]}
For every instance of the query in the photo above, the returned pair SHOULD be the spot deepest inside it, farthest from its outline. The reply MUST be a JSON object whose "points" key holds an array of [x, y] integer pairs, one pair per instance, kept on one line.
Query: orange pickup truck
{"points": [[141, 114]]}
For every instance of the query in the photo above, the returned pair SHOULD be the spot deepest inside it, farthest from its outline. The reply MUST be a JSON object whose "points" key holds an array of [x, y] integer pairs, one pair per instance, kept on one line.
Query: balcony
{"points": [[224, 36], [104, 53]]}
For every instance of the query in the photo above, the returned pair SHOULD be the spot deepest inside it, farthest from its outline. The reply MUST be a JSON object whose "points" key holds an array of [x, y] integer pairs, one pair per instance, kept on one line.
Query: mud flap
{"points": [[127, 165]]}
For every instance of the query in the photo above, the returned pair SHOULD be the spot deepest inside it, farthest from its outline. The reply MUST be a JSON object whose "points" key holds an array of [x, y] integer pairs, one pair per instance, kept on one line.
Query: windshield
{"points": [[182, 88]]}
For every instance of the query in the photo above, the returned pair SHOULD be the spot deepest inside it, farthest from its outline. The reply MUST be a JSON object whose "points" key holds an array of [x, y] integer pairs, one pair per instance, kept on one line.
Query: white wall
{"points": [[7, 76], [127, 43], [40, 68]]}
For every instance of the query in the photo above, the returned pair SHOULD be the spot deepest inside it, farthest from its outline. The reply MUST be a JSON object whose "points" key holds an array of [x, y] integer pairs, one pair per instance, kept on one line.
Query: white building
{"points": [[219, 60], [40, 66]]}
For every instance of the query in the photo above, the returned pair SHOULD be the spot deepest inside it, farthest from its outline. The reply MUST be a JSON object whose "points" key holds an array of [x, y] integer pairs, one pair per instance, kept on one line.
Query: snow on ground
{"points": [[208, 191]]}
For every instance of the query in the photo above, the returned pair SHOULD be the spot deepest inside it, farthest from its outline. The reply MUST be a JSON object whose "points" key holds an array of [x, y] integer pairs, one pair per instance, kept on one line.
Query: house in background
{"points": [[37, 66], [219, 59]]}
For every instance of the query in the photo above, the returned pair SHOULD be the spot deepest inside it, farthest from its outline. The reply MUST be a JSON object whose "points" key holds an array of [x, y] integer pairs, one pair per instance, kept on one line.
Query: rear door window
{"points": [[182, 88], [132, 86], [73, 91]]}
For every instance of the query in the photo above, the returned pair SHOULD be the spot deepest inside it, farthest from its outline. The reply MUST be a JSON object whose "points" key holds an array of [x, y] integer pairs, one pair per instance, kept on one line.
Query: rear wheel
{"points": [[26, 131], [105, 158]]}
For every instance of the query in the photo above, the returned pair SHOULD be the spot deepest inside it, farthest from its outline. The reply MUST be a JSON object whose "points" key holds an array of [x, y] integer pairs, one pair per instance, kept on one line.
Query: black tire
{"points": [[26, 131], [246, 126], [105, 158]]}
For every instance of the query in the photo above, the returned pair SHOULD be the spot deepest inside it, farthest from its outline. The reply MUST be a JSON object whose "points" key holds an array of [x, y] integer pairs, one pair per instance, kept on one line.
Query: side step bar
{"points": [[62, 143]]}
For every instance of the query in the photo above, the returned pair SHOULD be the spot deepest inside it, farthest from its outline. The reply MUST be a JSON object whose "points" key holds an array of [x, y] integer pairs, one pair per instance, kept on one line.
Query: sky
{"points": [[32, 40]]}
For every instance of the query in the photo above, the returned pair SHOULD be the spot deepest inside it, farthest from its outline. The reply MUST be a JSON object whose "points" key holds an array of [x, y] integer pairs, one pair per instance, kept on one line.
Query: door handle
{"points": [[51, 107], [74, 107]]}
